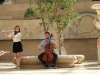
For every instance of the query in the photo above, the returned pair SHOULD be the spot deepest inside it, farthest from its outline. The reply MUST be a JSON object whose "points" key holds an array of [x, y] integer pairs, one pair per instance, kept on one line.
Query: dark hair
{"points": [[15, 32], [49, 34]]}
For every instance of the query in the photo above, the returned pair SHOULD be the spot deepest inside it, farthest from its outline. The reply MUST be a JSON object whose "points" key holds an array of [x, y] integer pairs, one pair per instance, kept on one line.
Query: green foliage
{"points": [[30, 1], [54, 11], [59, 12], [31, 13], [50, 1]]}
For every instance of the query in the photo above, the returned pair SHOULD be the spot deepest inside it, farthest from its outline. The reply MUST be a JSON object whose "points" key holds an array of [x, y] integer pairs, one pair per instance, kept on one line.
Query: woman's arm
{"points": [[3, 52], [8, 34], [15, 36], [12, 35]]}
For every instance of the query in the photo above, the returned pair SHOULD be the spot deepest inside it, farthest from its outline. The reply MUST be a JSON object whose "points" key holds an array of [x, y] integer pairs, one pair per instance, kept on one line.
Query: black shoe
{"points": [[46, 67], [53, 67]]}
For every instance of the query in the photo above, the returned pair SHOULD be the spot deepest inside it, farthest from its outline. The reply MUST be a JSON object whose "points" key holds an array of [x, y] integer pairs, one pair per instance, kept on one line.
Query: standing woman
{"points": [[17, 46]]}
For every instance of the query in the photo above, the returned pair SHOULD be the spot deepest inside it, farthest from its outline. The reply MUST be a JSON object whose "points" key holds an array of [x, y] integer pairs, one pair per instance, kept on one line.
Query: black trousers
{"points": [[53, 62]]}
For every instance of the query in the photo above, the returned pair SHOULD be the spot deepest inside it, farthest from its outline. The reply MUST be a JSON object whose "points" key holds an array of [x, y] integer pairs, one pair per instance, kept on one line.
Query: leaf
{"points": [[40, 23]]}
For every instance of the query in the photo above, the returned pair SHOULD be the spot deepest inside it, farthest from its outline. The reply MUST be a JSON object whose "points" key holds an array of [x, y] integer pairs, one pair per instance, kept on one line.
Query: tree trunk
{"points": [[43, 23], [59, 42], [41, 15]]}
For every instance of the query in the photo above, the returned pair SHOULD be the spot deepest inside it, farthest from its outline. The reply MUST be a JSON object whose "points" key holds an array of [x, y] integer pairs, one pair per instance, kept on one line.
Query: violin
{"points": [[48, 55]]}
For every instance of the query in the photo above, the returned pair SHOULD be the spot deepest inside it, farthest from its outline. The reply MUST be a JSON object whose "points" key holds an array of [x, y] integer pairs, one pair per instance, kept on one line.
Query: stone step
{"points": [[21, 1], [16, 11], [6, 17]]}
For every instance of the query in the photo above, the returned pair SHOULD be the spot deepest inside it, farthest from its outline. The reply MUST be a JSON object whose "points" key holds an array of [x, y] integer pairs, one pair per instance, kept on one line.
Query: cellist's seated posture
{"points": [[47, 41]]}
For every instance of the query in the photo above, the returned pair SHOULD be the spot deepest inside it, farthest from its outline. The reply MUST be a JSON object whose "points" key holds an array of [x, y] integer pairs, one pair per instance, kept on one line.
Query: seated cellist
{"points": [[42, 47]]}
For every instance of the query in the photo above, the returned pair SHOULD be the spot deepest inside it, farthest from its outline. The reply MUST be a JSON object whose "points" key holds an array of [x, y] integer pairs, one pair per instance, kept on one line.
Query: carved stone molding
{"points": [[84, 24], [96, 22]]}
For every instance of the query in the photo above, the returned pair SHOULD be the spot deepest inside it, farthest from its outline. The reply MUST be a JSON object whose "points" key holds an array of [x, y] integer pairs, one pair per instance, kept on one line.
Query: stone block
{"points": [[63, 61], [80, 58], [2, 13], [5, 17]]}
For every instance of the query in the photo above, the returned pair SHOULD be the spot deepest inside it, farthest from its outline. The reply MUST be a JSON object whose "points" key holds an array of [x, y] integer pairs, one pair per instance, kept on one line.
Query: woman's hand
{"points": [[12, 35], [6, 33]]}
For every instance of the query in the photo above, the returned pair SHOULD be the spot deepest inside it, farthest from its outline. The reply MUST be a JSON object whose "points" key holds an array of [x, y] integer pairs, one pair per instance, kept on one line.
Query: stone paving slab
{"points": [[86, 68]]}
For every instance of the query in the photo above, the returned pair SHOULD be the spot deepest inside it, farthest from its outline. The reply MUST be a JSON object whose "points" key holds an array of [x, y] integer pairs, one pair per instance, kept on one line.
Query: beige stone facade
{"points": [[31, 29], [17, 10], [12, 14]]}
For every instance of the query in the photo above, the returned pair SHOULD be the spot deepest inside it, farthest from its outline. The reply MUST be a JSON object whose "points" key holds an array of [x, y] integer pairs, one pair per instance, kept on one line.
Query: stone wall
{"points": [[86, 47], [13, 11], [21, 1], [86, 28], [26, 1], [31, 29], [16, 11]]}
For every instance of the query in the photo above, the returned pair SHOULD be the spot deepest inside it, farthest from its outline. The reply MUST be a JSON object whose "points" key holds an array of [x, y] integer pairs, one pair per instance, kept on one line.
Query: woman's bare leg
{"points": [[18, 59]]}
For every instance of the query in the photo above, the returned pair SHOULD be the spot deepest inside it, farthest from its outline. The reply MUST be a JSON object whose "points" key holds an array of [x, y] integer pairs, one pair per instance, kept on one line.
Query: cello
{"points": [[48, 55]]}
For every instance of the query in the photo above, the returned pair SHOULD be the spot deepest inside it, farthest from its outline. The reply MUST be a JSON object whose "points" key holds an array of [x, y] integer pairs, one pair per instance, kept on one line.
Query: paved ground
{"points": [[86, 68]]}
